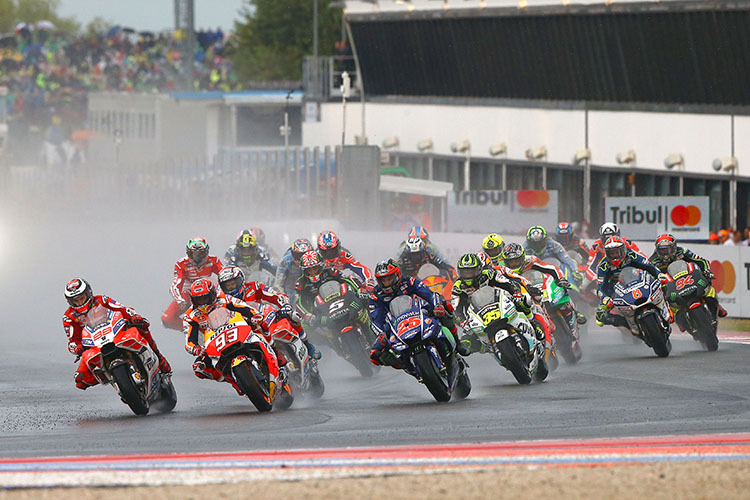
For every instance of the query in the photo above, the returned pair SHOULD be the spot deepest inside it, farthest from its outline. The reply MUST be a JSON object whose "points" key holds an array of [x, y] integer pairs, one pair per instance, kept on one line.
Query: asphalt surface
{"points": [[618, 389]]}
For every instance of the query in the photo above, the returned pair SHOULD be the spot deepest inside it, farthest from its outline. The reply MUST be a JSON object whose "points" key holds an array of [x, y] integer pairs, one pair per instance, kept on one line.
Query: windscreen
{"points": [[629, 275], [428, 270], [677, 267], [484, 296], [329, 288], [96, 317], [400, 305], [218, 317], [535, 277]]}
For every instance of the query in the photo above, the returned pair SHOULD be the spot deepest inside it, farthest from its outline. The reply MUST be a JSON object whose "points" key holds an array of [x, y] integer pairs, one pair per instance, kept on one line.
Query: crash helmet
{"points": [[615, 250], [484, 260], [231, 281], [299, 247], [514, 257], [536, 238], [246, 245], [469, 269], [79, 295], [565, 233], [329, 245], [203, 295], [388, 275], [419, 232], [666, 246], [197, 250], [607, 230], [493, 245], [312, 265], [260, 236]]}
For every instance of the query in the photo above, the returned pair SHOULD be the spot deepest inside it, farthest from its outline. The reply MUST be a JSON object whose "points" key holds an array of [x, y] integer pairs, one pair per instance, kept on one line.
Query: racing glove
{"points": [[388, 358], [285, 311], [139, 322], [363, 294], [577, 277], [534, 291], [440, 311], [709, 275], [75, 348], [664, 278], [193, 349], [562, 283]]}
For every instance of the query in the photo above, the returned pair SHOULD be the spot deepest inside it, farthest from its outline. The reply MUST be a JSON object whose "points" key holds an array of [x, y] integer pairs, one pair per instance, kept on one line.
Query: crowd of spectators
{"points": [[49, 74], [730, 237]]}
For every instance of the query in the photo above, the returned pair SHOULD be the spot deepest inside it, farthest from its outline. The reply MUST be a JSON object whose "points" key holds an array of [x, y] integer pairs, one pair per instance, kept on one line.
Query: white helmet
{"points": [[608, 230]]}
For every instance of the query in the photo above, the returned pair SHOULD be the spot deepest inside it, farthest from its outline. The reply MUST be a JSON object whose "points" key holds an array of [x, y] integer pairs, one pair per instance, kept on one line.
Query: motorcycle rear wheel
{"points": [[706, 329], [431, 376], [128, 391], [659, 340], [247, 377], [512, 361]]}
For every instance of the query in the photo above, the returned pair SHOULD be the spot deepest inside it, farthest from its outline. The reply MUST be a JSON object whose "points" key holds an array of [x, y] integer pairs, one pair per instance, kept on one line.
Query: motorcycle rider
{"points": [[391, 284], [422, 233], [606, 231], [260, 237], [471, 277], [289, 270], [666, 251], [493, 245], [81, 300], [416, 254], [205, 298], [195, 265], [248, 255], [566, 236], [339, 258], [541, 246], [617, 256], [517, 261], [232, 282]]}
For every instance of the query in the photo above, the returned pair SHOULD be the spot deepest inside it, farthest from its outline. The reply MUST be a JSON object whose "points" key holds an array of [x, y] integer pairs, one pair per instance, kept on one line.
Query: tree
{"points": [[275, 35], [32, 11], [7, 16]]}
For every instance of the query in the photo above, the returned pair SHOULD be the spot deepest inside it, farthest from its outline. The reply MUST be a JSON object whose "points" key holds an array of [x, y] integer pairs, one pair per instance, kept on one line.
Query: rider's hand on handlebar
{"points": [[193, 349], [285, 311], [562, 283], [664, 278]]}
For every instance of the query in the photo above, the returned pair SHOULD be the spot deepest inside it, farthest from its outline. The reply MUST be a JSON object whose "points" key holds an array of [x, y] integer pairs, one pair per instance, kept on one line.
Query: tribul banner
{"points": [[501, 211], [646, 217]]}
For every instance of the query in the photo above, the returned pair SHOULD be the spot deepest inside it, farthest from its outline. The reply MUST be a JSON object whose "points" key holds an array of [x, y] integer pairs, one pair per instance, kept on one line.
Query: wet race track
{"points": [[620, 388]]}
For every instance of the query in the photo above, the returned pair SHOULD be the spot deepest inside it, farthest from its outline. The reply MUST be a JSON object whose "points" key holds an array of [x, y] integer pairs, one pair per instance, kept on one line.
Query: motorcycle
{"points": [[440, 282], [345, 320], [686, 293], [426, 350], [118, 355], [557, 302], [505, 332], [304, 376], [639, 299], [244, 356]]}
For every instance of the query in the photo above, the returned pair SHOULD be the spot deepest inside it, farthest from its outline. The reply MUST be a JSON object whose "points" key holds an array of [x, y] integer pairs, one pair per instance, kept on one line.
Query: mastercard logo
{"points": [[532, 199], [685, 216], [724, 276]]}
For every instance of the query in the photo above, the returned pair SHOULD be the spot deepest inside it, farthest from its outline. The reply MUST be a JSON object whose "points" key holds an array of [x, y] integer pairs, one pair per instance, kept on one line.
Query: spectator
{"points": [[713, 239], [736, 240], [723, 236]]}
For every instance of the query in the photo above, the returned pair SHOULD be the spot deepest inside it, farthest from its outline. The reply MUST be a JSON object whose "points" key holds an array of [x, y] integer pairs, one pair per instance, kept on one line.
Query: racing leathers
{"points": [[532, 263], [554, 250], [259, 262], [681, 253], [607, 274], [287, 274], [74, 322], [410, 262], [346, 260], [493, 278], [186, 271], [380, 301], [195, 324]]}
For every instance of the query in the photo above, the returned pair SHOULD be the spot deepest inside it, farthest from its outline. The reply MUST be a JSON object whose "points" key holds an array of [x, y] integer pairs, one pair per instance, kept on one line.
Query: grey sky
{"points": [[152, 14]]}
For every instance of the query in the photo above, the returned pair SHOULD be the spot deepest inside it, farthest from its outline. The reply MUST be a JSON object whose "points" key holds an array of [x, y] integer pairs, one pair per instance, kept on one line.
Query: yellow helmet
{"points": [[493, 245]]}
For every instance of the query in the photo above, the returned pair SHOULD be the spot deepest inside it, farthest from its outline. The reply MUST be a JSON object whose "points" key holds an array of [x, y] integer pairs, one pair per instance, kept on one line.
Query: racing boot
{"points": [[580, 318], [314, 352], [164, 366]]}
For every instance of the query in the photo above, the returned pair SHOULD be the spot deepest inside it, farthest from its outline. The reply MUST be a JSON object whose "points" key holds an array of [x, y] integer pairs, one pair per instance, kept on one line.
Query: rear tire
{"points": [[128, 391], [247, 377], [512, 361], [659, 341], [431, 376], [702, 320]]}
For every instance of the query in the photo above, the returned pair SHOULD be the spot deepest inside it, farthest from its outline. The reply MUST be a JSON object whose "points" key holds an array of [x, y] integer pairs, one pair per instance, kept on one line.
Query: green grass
{"points": [[734, 324]]}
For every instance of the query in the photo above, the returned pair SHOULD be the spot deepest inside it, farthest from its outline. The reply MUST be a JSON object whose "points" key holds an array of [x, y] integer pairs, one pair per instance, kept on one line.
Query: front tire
{"points": [[128, 390], [660, 343], [512, 361], [701, 318], [463, 384], [564, 340], [248, 377], [542, 370], [317, 387], [168, 396], [356, 352], [431, 376]]}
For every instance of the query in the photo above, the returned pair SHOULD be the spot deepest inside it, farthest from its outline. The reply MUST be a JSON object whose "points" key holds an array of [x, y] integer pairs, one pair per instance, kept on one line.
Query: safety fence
{"points": [[270, 183]]}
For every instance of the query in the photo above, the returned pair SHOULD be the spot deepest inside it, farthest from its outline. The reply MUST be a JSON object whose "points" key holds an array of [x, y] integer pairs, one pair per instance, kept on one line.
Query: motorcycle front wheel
{"points": [[650, 325], [354, 347], [128, 390], [431, 376], [701, 318], [508, 352], [249, 378]]}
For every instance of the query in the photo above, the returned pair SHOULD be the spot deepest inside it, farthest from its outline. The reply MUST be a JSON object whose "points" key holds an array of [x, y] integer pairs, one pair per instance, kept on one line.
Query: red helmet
{"points": [[666, 246], [203, 294], [388, 275], [197, 250], [329, 245], [615, 250], [312, 265], [79, 295]]}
